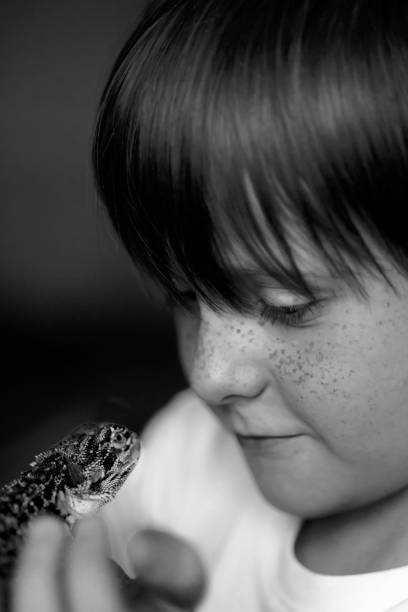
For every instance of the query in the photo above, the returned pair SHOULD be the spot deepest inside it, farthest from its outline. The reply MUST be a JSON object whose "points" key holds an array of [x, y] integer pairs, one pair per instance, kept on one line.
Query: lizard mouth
{"points": [[135, 452]]}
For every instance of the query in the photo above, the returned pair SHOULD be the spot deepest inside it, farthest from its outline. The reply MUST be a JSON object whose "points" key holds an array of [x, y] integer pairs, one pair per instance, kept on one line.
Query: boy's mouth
{"points": [[241, 436], [251, 428], [265, 443], [248, 438]]}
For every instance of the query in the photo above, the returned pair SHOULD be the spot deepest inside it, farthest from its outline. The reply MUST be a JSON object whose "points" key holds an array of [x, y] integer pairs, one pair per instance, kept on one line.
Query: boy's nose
{"points": [[227, 364]]}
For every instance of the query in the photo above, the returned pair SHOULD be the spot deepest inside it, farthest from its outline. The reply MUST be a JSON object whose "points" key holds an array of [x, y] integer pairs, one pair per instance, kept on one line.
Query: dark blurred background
{"points": [[78, 325]]}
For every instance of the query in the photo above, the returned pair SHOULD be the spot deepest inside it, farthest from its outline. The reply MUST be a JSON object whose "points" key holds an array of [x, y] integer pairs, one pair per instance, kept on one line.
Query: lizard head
{"points": [[99, 457]]}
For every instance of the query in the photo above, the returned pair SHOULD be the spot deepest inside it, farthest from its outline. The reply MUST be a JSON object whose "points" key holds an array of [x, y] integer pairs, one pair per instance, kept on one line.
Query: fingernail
{"points": [[90, 537], [140, 551], [45, 527], [89, 528]]}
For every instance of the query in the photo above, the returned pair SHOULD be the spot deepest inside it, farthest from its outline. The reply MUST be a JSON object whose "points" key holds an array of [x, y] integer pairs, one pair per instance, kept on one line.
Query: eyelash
{"points": [[291, 316]]}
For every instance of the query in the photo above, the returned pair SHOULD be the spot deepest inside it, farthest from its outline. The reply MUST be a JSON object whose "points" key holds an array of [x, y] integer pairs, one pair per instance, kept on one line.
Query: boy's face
{"points": [[320, 402]]}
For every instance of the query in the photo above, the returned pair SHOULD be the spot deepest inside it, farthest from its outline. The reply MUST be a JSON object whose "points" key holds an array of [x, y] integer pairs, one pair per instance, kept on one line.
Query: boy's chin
{"points": [[299, 499]]}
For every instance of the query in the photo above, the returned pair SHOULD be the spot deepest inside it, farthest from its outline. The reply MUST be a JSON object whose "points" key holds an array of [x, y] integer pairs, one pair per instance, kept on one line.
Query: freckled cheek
{"points": [[297, 365], [194, 345], [186, 332], [340, 396], [313, 376]]}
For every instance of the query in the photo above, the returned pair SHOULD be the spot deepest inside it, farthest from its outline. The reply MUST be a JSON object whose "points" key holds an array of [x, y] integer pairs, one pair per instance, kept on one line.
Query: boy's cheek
{"points": [[358, 417], [186, 333]]}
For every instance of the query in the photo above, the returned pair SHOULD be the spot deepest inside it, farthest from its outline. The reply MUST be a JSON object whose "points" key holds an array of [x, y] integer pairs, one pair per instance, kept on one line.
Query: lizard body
{"points": [[72, 479]]}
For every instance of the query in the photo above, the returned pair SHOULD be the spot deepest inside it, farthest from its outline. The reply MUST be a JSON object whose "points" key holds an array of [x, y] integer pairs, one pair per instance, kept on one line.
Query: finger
{"points": [[168, 567], [35, 586], [90, 584]]}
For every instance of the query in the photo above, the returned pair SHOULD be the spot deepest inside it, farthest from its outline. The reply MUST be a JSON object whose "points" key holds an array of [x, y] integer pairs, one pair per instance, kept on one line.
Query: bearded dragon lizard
{"points": [[73, 479]]}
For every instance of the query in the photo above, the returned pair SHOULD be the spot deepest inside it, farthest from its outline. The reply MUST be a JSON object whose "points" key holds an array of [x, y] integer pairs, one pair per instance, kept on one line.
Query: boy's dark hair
{"points": [[259, 123]]}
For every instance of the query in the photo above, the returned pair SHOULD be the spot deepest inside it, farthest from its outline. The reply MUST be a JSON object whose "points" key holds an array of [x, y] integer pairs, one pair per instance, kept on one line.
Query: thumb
{"points": [[168, 567]]}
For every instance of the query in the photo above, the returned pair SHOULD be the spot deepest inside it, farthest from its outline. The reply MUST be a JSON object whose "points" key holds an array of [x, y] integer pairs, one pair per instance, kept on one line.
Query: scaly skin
{"points": [[73, 479]]}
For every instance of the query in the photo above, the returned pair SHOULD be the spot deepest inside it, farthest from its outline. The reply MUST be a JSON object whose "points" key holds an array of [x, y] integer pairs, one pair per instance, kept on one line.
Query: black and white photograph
{"points": [[204, 305]]}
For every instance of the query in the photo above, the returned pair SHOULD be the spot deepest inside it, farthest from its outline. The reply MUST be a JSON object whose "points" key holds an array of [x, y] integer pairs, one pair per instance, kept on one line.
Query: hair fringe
{"points": [[306, 99]]}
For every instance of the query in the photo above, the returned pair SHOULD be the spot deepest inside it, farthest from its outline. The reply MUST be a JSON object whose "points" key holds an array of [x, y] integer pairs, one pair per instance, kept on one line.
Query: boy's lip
{"points": [[256, 431], [257, 437], [251, 425], [266, 444]]}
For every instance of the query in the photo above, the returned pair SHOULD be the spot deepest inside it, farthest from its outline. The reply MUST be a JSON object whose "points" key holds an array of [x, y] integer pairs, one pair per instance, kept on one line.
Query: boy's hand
{"points": [[56, 573]]}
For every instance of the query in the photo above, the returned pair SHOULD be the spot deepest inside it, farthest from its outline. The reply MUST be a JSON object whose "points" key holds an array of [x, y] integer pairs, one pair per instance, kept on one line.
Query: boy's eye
{"points": [[296, 315], [293, 315]]}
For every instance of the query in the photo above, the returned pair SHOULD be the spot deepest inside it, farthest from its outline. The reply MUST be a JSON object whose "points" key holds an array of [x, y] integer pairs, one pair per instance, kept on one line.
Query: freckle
{"points": [[319, 357], [388, 304], [238, 331]]}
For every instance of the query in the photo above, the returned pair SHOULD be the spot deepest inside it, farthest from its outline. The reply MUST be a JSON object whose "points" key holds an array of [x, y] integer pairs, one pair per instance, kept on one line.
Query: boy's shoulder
{"points": [[192, 479], [190, 448], [185, 409], [185, 427]]}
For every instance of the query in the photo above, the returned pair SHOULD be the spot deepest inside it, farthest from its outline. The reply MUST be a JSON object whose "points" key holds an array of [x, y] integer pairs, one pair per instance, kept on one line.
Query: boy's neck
{"points": [[373, 538]]}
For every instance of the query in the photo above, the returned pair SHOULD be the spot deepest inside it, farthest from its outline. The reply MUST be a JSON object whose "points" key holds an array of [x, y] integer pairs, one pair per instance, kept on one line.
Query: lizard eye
{"points": [[119, 439]]}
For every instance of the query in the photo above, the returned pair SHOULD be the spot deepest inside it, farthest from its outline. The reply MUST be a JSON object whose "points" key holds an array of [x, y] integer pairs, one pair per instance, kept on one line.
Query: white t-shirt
{"points": [[193, 481]]}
